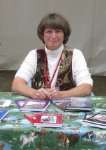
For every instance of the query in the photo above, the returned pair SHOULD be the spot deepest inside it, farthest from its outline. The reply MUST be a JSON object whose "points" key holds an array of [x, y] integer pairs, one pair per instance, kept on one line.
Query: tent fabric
{"points": [[19, 20]]}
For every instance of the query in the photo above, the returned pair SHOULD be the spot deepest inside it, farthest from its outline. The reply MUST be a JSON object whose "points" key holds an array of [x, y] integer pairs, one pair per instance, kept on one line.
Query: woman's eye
{"points": [[53, 31], [58, 31], [48, 31]]}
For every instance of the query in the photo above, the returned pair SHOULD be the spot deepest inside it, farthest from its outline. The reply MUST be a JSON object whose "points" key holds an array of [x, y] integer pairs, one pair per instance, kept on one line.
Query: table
{"points": [[20, 134]]}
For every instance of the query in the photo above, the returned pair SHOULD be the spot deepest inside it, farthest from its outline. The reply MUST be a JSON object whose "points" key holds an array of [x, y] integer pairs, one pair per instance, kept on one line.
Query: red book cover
{"points": [[45, 119]]}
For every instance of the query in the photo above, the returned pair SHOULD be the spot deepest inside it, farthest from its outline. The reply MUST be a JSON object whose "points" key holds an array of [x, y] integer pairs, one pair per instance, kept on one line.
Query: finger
{"points": [[54, 94], [43, 94], [38, 95]]}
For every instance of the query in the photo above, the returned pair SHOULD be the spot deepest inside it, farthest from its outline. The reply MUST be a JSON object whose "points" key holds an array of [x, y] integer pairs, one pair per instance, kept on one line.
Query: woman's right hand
{"points": [[39, 94], [19, 85]]}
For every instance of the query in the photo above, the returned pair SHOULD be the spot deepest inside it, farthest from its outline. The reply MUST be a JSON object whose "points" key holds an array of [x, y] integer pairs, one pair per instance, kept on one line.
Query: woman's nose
{"points": [[54, 34]]}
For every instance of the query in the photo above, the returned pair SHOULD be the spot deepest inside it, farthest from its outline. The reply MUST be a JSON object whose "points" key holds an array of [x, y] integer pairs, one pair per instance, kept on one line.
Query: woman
{"points": [[55, 71]]}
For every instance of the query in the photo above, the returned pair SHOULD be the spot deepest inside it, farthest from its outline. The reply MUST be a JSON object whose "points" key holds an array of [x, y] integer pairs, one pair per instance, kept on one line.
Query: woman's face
{"points": [[53, 38]]}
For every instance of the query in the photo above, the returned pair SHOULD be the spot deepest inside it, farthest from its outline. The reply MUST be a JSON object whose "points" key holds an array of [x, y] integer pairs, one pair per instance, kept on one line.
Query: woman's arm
{"points": [[81, 90], [19, 85]]}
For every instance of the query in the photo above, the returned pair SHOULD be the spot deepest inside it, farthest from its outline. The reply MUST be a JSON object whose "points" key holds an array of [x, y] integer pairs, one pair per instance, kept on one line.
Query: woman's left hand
{"points": [[54, 93]]}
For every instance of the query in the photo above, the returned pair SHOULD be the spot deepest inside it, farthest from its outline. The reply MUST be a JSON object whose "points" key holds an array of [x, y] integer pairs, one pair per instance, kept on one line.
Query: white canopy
{"points": [[19, 20]]}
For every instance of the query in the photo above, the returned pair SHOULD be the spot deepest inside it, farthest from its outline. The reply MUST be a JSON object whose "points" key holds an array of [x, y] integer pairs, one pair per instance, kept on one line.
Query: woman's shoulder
{"points": [[78, 54], [74, 50], [77, 51], [33, 50], [31, 53]]}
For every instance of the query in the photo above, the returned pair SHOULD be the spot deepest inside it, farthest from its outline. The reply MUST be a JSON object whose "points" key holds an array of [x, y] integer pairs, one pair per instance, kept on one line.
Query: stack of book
{"points": [[67, 104], [96, 120], [74, 104], [28, 105]]}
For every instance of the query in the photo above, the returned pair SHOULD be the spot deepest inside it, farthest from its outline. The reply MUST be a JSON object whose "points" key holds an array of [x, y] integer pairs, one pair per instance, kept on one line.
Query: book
{"points": [[96, 120], [45, 119], [5, 103], [74, 104], [28, 104], [3, 114]]}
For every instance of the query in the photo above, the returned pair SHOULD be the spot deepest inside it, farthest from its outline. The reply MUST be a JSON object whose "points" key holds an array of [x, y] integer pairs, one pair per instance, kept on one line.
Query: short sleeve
{"points": [[28, 66], [80, 70]]}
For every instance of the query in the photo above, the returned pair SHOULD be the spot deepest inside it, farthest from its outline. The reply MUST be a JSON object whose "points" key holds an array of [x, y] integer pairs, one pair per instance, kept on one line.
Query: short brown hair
{"points": [[55, 21]]}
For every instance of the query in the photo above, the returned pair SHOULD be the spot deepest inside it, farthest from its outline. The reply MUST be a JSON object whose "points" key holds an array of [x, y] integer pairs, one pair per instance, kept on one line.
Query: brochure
{"points": [[74, 104], [3, 114], [96, 120], [45, 119], [28, 104]]}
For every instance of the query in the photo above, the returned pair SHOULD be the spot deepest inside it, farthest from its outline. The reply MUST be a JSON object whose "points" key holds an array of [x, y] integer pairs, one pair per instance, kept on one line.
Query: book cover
{"points": [[45, 119], [32, 105], [74, 104], [3, 114], [96, 120]]}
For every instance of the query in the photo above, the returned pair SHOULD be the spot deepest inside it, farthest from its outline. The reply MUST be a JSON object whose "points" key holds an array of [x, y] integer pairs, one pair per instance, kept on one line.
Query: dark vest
{"points": [[64, 78]]}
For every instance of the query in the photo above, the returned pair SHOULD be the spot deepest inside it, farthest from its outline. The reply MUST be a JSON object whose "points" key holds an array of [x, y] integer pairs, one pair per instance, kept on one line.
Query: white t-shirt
{"points": [[80, 70]]}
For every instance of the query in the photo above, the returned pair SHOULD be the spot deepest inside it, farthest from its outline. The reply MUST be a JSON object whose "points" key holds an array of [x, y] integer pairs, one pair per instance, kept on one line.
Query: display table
{"points": [[19, 134]]}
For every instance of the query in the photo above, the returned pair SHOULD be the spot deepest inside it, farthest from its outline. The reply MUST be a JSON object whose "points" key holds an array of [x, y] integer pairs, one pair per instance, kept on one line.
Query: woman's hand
{"points": [[39, 94], [55, 93], [45, 93]]}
